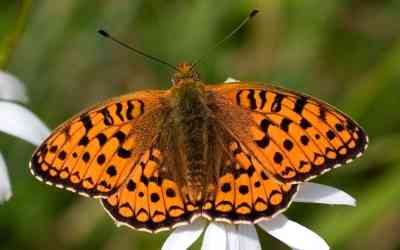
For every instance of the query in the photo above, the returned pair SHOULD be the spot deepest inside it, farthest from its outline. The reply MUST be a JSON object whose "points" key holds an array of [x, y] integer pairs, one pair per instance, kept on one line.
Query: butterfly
{"points": [[234, 152]]}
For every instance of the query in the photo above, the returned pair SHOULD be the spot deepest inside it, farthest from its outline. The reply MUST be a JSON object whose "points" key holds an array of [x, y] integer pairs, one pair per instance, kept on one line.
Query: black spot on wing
{"points": [[129, 115], [123, 153], [107, 118], [84, 141], [263, 96], [118, 111], [87, 122], [277, 104], [299, 105], [121, 136], [102, 138], [252, 99], [265, 123], [264, 142], [304, 123], [285, 124]]}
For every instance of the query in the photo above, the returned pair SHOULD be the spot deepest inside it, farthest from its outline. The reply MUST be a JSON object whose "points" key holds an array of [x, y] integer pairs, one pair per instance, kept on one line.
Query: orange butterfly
{"points": [[231, 152]]}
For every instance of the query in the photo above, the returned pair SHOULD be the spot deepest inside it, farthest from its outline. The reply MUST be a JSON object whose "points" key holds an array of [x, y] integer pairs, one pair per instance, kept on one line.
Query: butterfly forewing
{"points": [[94, 152], [293, 136]]}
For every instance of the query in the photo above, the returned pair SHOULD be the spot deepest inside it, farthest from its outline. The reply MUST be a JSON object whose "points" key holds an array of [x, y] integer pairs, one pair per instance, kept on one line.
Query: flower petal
{"points": [[317, 193], [20, 122], [5, 187], [293, 234], [183, 237], [248, 238], [215, 237], [11, 88], [233, 237], [230, 79]]}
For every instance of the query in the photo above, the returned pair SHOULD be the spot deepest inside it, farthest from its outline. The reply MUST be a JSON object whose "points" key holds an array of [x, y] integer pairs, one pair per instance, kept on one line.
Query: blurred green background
{"points": [[344, 52]]}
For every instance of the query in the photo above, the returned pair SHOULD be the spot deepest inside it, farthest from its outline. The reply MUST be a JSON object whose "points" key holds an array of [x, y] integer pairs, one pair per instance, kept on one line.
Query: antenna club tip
{"points": [[253, 13], [103, 33]]}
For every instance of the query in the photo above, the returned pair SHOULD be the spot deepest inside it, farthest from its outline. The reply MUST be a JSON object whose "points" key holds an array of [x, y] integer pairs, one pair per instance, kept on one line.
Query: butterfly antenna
{"points": [[107, 35], [252, 14]]}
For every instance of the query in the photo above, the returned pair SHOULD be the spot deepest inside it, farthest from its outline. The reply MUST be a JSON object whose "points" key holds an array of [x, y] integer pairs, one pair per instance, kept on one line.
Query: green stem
{"points": [[11, 39]]}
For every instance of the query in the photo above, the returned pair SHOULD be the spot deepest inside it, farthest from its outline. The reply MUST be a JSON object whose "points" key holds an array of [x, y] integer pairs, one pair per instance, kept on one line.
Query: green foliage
{"points": [[345, 52]]}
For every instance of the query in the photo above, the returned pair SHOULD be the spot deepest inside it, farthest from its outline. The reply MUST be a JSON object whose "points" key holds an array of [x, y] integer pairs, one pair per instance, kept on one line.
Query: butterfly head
{"points": [[185, 74]]}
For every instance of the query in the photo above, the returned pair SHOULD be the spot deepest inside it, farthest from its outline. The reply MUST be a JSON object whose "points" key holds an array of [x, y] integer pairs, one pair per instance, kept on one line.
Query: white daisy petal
{"points": [[248, 238], [233, 237], [317, 193], [5, 187], [20, 122], [215, 237], [230, 79], [183, 237], [293, 234], [11, 88]]}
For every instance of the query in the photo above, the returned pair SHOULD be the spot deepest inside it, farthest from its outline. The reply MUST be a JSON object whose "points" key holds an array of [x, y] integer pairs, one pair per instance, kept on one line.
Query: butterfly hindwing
{"points": [[148, 202], [245, 193], [152, 203], [295, 137], [92, 153]]}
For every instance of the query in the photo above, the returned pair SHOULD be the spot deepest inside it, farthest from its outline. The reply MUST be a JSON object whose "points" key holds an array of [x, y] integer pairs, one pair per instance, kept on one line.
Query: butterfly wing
{"points": [[149, 202], [245, 193], [93, 153], [295, 137], [153, 203]]}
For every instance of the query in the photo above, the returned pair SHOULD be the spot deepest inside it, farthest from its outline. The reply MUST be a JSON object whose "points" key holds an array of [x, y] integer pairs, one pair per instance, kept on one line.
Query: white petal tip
{"points": [[230, 79], [352, 202], [11, 88], [317, 193], [5, 185], [5, 197], [293, 234], [15, 119]]}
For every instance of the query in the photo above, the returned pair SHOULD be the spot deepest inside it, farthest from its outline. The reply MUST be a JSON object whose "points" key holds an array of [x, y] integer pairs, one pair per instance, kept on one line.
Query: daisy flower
{"points": [[18, 121], [223, 236]]}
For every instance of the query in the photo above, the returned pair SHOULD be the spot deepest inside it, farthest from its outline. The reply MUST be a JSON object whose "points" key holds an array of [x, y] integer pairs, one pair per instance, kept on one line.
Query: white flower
{"points": [[11, 88], [223, 236], [16, 120]]}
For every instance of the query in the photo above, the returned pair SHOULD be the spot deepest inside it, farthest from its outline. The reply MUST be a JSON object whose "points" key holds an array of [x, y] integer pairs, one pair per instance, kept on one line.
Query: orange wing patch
{"points": [[245, 193], [148, 202], [295, 137], [92, 153]]}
